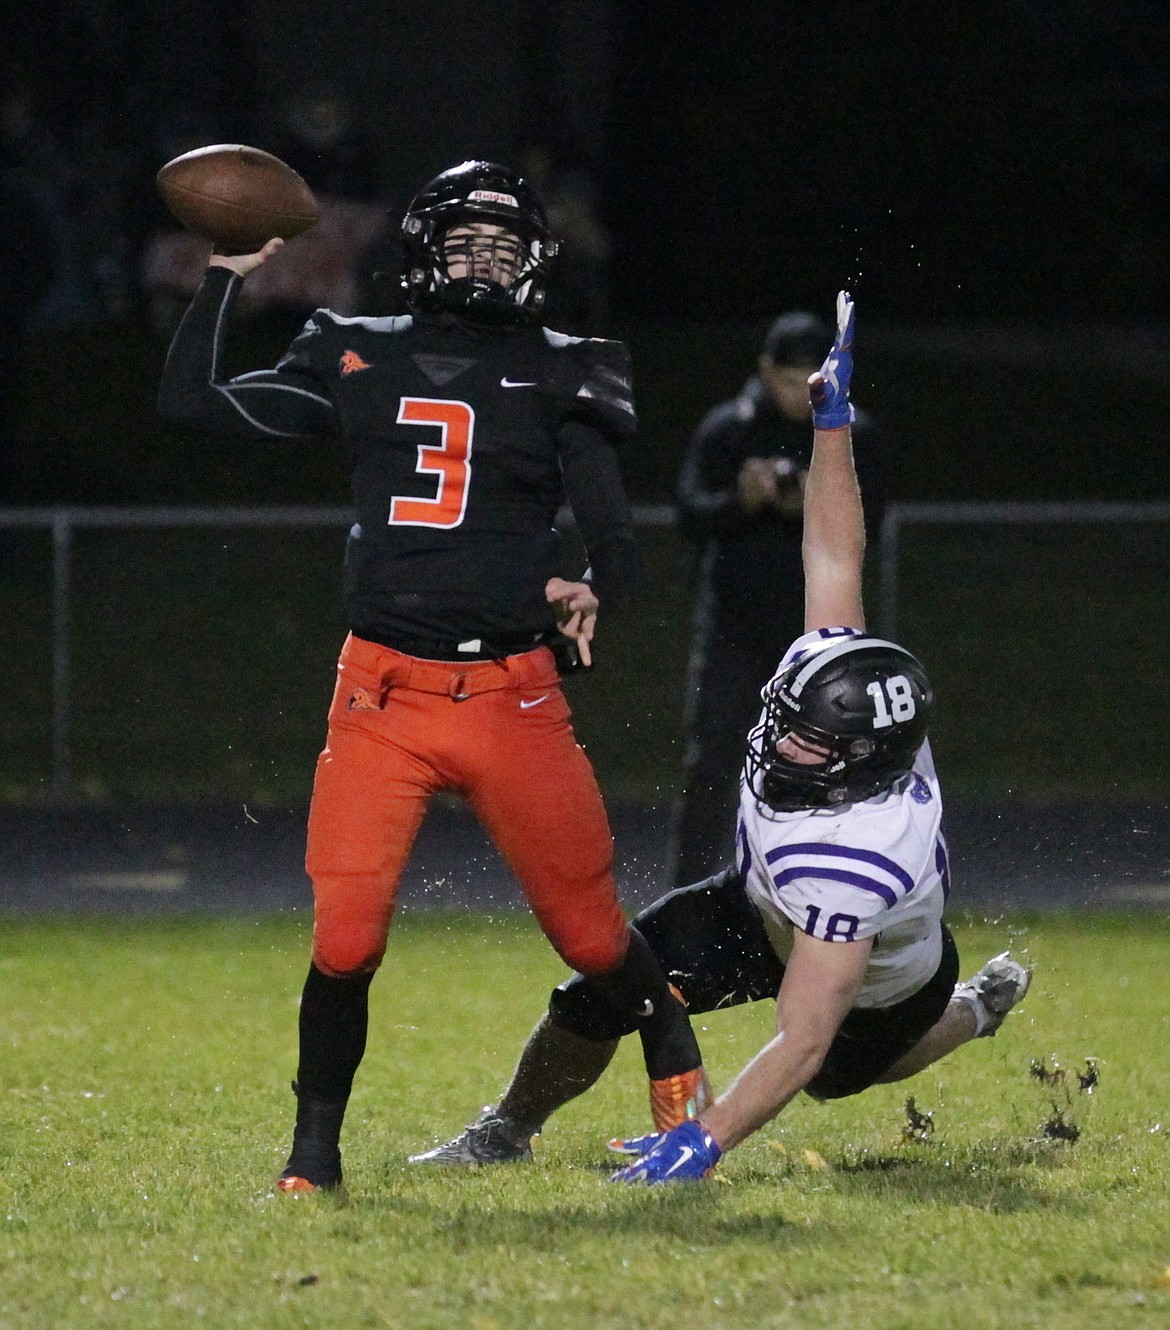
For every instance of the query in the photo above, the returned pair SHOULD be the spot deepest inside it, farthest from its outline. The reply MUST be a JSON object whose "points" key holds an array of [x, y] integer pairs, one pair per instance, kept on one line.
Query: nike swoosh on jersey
{"points": [[525, 706], [506, 382]]}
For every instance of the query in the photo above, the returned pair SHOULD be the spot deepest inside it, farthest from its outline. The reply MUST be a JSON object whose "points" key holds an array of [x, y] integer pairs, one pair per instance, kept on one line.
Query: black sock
{"points": [[333, 1023]]}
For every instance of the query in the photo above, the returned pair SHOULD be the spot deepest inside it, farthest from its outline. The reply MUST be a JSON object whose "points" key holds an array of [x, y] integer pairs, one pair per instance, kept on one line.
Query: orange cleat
{"points": [[676, 1099], [295, 1184]]}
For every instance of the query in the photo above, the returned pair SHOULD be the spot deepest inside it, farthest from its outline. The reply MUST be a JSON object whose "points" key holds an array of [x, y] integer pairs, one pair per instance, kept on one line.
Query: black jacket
{"points": [[752, 574]]}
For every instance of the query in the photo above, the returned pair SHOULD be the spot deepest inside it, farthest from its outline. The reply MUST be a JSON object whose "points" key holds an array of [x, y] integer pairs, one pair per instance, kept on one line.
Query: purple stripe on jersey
{"points": [[845, 852], [941, 866], [745, 853], [838, 875]]}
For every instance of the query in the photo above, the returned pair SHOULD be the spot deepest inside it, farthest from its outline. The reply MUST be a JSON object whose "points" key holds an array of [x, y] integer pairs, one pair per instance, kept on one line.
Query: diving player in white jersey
{"points": [[835, 903]]}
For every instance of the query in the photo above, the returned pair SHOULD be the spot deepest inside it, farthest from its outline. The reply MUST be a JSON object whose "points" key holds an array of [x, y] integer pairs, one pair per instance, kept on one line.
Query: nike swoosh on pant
{"points": [[525, 706]]}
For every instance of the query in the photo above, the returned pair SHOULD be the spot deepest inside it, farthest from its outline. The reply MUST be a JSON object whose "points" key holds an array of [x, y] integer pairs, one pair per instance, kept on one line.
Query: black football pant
{"points": [[711, 941]]}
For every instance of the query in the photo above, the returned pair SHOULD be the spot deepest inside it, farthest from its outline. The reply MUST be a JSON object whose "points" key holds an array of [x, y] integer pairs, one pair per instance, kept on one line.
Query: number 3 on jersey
{"points": [[449, 459]]}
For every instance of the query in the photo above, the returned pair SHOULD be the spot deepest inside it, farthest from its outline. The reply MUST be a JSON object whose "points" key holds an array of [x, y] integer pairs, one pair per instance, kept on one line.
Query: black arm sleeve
{"points": [[593, 486], [273, 403], [707, 497]]}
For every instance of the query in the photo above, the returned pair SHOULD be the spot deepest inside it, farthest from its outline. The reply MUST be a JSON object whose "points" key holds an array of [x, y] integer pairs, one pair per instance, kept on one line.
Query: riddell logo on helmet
{"points": [[490, 196]]}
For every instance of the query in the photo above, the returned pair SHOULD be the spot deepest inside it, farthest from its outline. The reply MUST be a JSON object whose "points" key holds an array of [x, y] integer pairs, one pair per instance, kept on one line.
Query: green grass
{"points": [[145, 1112]]}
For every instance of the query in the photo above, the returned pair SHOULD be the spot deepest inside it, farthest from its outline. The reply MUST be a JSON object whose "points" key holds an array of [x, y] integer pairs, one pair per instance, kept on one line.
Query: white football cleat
{"points": [[993, 991]]}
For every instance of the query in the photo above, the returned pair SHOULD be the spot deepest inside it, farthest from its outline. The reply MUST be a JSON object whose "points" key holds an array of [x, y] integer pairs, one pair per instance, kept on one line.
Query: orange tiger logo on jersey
{"points": [[351, 362]]}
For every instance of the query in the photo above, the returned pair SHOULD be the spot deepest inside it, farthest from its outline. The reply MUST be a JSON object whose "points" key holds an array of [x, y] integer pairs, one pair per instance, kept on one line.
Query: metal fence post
{"points": [[888, 573], [62, 786]]}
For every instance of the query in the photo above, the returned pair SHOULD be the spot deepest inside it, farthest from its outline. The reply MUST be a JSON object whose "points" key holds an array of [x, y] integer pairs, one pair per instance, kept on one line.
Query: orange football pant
{"points": [[497, 732]]}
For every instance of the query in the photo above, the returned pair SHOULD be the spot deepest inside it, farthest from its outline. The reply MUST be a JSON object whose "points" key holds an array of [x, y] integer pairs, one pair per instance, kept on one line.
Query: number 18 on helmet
{"points": [[857, 712]]}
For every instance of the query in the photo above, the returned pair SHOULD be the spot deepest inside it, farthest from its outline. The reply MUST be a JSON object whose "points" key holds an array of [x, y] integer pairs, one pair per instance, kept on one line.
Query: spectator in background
{"points": [[740, 499], [41, 253]]}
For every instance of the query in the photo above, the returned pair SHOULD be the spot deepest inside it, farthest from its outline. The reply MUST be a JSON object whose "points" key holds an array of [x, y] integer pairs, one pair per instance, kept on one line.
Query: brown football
{"points": [[237, 197]]}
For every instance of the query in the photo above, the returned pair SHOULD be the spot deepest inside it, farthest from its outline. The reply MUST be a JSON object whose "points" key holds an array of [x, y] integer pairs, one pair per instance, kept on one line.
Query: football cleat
{"points": [[686, 1154], [491, 1139], [675, 1099], [290, 1182], [993, 991], [311, 1169]]}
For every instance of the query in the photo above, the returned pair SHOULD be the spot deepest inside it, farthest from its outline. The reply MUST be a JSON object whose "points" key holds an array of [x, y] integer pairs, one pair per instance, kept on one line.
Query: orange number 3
{"points": [[449, 459]]}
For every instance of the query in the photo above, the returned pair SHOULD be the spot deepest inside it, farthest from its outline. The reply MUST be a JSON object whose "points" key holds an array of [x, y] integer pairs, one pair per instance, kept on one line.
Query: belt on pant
{"points": [[458, 681], [435, 648]]}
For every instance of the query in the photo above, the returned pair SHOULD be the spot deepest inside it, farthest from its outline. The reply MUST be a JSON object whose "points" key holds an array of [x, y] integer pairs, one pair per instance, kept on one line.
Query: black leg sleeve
{"points": [[333, 1022], [638, 986]]}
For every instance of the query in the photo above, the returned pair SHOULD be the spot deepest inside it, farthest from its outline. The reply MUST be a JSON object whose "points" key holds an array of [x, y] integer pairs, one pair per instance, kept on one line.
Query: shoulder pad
{"points": [[305, 351], [388, 323], [317, 345], [560, 340], [597, 380]]}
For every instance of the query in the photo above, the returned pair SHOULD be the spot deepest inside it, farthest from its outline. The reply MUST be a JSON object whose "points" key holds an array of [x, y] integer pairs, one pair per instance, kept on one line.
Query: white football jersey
{"points": [[872, 869]]}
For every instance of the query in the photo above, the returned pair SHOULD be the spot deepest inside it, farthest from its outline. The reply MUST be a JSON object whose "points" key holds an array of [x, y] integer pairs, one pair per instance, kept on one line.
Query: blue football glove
{"points": [[686, 1154], [828, 389], [634, 1145]]}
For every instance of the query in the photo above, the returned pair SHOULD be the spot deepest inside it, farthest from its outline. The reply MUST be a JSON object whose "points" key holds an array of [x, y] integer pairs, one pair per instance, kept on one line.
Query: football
{"points": [[237, 197]]}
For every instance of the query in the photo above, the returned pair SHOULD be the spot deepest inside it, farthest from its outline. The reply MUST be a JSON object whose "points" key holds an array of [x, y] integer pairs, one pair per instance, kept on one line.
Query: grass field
{"points": [[146, 1110]]}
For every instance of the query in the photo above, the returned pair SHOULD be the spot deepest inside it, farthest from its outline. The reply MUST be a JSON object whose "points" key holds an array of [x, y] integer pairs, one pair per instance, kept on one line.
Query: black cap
{"points": [[797, 338]]}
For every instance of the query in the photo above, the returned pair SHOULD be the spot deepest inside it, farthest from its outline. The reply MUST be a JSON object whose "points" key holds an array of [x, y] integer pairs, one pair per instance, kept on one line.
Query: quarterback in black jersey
{"points": [[465, 425]]}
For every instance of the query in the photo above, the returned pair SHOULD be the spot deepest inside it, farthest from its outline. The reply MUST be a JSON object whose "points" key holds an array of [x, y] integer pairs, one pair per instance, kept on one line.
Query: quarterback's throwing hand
{"points": [[828, 388], [686, 1154], [575, 606], [243, 264]]}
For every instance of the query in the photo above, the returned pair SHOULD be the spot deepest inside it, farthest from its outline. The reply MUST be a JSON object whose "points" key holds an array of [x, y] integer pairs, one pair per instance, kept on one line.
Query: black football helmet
{"points": [[500, 278], [863, 703]]}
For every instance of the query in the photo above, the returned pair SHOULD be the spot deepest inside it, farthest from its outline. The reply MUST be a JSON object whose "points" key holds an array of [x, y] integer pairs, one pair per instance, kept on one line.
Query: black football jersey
{"points": [[463, 440]]}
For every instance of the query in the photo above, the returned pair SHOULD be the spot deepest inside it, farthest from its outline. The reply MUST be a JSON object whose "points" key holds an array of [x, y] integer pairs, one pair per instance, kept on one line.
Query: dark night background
{"points": [[1000, 161], [1003, 167], [992, 182]]}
